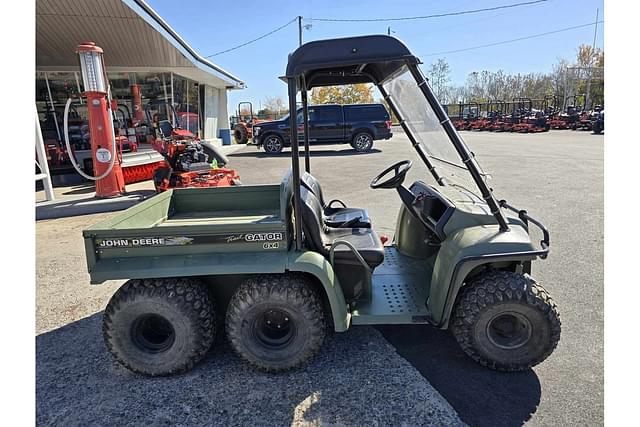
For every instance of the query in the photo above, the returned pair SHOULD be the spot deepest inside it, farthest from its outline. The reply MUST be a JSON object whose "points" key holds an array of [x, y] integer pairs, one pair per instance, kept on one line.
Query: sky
{"points": [[214, 26]]}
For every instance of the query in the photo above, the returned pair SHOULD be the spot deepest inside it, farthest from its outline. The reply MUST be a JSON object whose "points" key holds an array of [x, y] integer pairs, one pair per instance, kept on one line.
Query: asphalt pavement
{"points": [[415, 375]]}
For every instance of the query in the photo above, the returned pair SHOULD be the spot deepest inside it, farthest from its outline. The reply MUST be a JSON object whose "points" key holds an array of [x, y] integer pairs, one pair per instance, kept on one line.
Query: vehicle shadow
{"points": [[314, 153], [481, 397], [356, 379]]}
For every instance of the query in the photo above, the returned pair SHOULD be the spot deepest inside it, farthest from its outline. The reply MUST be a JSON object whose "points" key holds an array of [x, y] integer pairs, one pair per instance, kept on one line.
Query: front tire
{"points": [[506, 321], [276, 322], [362, 142], [273, 144], [159, 327]]}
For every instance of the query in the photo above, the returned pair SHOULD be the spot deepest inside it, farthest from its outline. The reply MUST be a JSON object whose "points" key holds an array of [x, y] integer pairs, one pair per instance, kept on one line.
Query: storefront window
{"points": [[186, 101], [157, 94]]}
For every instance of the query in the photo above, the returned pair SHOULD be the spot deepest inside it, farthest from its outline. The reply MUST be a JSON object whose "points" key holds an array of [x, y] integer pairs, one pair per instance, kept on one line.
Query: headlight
{"points": [[256, 131]]}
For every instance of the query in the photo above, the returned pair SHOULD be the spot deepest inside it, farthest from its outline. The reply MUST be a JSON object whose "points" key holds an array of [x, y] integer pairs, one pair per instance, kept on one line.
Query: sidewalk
{"points": [[80, 199]]}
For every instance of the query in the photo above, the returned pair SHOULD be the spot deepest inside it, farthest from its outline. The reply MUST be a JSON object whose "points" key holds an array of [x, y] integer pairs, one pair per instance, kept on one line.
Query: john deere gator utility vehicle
{"points": [[276, 265]]}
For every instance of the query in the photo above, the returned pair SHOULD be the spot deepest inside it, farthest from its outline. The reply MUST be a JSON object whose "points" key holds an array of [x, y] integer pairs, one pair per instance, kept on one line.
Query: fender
{"points": [[464, 250], [318, 266]]}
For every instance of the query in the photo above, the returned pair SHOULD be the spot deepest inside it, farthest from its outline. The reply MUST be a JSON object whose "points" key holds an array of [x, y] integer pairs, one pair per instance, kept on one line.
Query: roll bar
{"points": [[371, 59]]}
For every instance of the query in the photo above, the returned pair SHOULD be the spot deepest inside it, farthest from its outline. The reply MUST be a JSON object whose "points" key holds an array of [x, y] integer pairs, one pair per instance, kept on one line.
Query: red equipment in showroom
{"points": [[106, 159]]}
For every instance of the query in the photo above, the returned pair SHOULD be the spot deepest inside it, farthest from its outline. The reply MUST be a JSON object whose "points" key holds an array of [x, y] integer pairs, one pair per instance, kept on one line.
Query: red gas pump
{"points": [[106, 161], [136, 94]]}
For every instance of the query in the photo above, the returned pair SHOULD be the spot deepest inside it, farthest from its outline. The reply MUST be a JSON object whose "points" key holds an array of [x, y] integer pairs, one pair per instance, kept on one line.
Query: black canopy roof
{"points": [[349, 60]]}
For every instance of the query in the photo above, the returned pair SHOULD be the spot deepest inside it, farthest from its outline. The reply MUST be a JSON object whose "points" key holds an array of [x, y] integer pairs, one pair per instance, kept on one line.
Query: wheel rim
{"points": [[274, 329], [509, 330], [152, 333], [272, 144], [362, 142]]}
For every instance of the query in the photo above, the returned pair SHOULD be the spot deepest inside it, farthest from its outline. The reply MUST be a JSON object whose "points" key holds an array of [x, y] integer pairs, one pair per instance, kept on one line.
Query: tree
{"points": [[273, 104], [361, 93], [439, 77], [591, 59]]}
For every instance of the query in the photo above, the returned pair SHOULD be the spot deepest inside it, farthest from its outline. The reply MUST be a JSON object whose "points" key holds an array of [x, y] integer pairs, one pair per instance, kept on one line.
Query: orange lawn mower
{"points": [[498, 116], [486, 121], [568, 118], [467, 114], [188, 161], [531, 120]]}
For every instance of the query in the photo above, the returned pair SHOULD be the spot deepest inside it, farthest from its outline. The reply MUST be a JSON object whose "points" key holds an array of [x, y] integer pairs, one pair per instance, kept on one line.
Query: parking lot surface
{"points": [[415, 375]]}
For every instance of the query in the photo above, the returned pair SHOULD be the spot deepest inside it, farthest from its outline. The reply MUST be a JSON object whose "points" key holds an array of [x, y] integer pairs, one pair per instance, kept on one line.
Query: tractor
{"points": [[242, 123]]}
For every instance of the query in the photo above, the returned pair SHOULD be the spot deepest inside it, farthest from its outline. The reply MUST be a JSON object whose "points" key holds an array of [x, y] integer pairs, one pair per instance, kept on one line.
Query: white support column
{"points": [[210, 113], [41, 161]]}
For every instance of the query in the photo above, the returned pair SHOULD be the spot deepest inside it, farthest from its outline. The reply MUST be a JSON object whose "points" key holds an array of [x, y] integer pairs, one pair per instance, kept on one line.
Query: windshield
{"points": [[425, 127]]}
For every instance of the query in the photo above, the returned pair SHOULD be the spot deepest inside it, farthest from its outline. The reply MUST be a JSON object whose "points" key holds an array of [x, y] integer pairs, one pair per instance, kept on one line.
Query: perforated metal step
{"points": [[399, 292]]}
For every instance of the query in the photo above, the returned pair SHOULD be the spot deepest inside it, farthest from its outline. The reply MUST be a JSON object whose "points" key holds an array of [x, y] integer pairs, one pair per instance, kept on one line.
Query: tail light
{"points": [[388, 123]]}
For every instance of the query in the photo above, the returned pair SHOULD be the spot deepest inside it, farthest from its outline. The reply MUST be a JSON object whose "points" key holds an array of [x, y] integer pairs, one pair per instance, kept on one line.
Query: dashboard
{"points": [[433, 209]]}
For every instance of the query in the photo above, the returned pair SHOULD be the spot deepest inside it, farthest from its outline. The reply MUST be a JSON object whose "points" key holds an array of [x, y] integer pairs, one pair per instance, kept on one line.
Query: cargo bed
{"points": [[197, 228]]}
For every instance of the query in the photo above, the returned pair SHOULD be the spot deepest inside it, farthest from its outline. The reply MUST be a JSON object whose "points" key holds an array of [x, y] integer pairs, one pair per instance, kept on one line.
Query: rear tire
{"points": [[159, 326], [362, 142], [506, 321], [276, 322]]}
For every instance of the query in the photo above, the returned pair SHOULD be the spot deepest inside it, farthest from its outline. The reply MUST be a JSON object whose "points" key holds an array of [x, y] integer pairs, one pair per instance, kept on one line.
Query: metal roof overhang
{"points": [[134, 38]]}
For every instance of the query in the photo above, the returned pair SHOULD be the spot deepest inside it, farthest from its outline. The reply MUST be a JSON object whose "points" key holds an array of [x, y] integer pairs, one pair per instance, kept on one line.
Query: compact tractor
{"points": [[277, 266], [243, 122], [189, 162]]}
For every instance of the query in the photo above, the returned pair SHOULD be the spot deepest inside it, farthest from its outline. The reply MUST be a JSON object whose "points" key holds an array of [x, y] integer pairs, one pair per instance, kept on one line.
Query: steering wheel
{"points": [[400, 169]]}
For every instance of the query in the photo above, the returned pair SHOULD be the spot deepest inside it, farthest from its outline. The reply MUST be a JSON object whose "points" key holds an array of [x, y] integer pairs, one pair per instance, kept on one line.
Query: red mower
{"points": [[189, 162], [530, 120], [568, 118]]}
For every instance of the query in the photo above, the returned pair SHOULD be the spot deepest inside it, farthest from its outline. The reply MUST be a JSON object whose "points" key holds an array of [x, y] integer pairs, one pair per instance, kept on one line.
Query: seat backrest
{"points": [[313, 185], [312, 220], [165, 127]]}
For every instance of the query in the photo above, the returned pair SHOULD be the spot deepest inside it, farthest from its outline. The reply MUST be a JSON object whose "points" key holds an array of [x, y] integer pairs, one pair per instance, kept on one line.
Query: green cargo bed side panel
{"points": [[146, 267], [466, 249], [317, 265]]}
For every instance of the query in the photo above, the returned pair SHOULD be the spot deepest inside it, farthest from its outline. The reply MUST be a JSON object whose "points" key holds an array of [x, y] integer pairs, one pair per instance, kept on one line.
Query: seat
{"points": [[320, 237], [165, 128], [337, 217]]}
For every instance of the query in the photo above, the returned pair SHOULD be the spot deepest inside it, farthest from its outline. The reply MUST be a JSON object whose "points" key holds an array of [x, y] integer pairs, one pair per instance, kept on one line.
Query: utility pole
{"points": [[593, 52], [299, 30]]}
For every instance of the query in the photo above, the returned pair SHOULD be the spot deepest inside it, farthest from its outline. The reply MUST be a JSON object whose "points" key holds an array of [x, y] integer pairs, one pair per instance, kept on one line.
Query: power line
{"points": [[254, 40], [439, 15], [512, 40]]}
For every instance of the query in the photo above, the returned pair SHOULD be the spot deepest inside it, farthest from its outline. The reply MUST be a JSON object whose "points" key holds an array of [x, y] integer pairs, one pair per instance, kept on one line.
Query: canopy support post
{"points": [[295, 162], [305, 115]]}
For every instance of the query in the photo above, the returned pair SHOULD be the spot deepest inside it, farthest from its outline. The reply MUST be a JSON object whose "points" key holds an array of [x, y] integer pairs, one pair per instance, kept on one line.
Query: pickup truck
{"points": [[356, 124]]}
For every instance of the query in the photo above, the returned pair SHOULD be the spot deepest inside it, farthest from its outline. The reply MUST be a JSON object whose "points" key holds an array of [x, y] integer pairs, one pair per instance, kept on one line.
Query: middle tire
{"points": [[276, 322]]}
